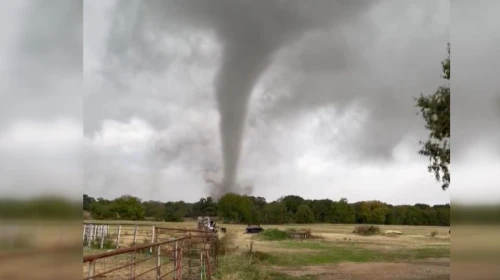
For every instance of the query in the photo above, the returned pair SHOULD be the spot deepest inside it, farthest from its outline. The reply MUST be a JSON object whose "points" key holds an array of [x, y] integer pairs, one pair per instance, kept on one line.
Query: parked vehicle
{"points": [[253, 229]]}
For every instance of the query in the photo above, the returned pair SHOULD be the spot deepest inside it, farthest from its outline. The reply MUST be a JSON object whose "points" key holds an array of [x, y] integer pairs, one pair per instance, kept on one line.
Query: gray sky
{"points": [[41, 93], [475, 103], [331, 114]]}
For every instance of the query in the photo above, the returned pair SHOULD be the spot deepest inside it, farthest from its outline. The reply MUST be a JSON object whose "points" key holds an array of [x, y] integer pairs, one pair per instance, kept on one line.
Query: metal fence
{"points": [[98, 237], [179, 257]]}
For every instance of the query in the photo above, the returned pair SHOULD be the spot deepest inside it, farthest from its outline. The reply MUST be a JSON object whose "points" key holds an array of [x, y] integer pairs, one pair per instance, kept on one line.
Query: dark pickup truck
{"points": [[253, 229]]}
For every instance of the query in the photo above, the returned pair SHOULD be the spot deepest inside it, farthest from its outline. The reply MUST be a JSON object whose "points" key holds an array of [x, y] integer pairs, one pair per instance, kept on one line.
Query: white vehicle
{"points": [[207, 224]]}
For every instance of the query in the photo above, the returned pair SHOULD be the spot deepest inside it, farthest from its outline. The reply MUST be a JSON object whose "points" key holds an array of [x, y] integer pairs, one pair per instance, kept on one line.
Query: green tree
{"points": [[398, 216], [342, 212], [435, 109], [128, 207], [175, 211], [87, 202], [101, 210], [234, 208], [292, 203], [321, 209], [154, 209], [304, 214], [275, 213], [372, 212]]}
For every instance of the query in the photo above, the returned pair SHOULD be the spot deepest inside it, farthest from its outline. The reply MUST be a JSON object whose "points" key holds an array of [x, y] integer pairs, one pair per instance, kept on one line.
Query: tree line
{"points": [[243, 209]]}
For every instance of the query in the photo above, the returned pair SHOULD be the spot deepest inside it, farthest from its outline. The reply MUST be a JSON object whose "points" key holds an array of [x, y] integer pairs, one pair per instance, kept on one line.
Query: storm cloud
{"points": [[269, 88]]}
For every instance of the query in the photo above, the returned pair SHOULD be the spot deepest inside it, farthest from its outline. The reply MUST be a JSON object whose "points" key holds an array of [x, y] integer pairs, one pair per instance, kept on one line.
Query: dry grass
{"points": [[338, 246]]}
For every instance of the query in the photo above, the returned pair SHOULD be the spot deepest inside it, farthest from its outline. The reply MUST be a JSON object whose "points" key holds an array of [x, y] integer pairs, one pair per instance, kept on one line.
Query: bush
{"points": [[226, 243], [107, 244], [366, 230], [274, 234]]}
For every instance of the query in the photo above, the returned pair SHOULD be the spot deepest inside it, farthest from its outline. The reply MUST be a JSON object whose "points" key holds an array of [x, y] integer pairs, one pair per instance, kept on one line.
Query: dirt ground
{"points": [[436, 269]]}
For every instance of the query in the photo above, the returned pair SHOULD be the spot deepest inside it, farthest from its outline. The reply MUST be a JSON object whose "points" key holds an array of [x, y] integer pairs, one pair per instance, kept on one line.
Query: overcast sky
{"points": [[41, 98], [331, 114]]}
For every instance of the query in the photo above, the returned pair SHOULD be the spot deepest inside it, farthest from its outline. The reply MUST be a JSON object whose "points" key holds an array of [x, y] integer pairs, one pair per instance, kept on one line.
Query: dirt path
{"points": [[436, 269]]}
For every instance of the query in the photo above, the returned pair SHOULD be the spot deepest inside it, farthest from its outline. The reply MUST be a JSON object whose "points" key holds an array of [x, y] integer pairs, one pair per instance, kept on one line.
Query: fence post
{"points": [[153, 239], [202, 267], [91, 270], [118, 238], [158, 262], [102, 237], [135, 234], [84, 228], [132, 266], [94, 232], [176, 261]]}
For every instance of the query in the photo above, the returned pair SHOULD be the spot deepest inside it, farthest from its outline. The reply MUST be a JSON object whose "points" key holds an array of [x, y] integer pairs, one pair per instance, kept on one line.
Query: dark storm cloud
{"points": [[250, 33], [304, 58]]}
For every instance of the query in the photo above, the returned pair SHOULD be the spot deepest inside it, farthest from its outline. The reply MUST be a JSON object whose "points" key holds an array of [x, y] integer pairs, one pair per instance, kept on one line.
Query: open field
{"points": [[337, 254]]}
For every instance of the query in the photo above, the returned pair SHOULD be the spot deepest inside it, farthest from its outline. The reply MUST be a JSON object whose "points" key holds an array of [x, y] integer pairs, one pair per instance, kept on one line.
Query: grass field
{"points": [[337, 253]]}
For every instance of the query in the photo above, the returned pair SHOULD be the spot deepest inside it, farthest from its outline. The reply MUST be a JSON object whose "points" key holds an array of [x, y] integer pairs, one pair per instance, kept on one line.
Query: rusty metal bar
{"points": [[128, 250], [181, 230], [116, 268]]}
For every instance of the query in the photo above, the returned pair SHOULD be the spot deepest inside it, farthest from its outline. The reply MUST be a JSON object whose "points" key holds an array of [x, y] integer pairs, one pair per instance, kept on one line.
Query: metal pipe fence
{"points": [[99, 237], [185, 257]]}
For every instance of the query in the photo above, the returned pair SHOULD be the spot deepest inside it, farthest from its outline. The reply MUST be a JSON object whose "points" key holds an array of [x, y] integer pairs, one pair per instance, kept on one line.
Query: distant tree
{"points": [[175, 211], [398, 215], [275, 213], [304, 214], [128, 207], [373, 212], [443, 214], [154, 209], [87, 202], [234, 208], [342, 212], [435, 109], [292, 203], [206, 206], [101, 210], [321, 209]]}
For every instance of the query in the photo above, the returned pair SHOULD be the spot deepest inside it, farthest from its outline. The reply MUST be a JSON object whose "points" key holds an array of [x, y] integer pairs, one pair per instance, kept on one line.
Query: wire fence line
{"points": [[168, 253]]}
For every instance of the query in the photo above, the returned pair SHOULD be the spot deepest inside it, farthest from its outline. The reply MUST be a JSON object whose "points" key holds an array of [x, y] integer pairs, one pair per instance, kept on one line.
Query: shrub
{"points": [[274, 234], [107, 244], [226, 244], [366, 230]]}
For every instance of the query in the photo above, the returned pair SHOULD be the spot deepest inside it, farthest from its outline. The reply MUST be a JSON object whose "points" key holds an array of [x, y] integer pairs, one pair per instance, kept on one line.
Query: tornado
{"points": [[250, 33], [247, 51]]}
